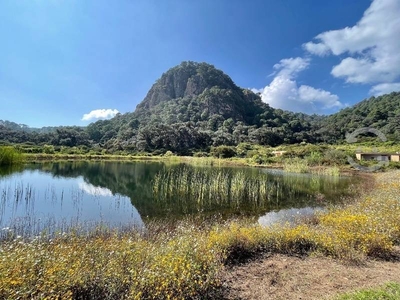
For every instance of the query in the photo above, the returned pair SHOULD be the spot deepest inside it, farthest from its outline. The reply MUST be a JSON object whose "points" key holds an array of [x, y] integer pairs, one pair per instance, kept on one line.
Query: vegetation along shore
{"points": [[190, 259]]}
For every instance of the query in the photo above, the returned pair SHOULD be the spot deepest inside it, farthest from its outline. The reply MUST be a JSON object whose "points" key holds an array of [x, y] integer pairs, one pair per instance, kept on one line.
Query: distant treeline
{"points": [[126, 133]]}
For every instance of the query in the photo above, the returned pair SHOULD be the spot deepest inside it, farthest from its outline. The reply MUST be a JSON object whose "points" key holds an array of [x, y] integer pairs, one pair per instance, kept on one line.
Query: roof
{"points": [[377, 153]]}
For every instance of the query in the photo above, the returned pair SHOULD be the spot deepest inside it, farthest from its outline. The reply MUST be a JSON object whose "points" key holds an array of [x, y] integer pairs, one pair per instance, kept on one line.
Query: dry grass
{"points": [[289, 277]]}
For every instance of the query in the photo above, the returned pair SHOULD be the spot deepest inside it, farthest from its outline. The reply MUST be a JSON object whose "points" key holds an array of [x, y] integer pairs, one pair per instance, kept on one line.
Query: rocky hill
{"points": [[196, 91]]}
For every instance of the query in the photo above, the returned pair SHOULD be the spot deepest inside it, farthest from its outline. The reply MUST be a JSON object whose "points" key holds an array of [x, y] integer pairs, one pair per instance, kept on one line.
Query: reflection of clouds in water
{"points": [[94, 190], [286, 216]]}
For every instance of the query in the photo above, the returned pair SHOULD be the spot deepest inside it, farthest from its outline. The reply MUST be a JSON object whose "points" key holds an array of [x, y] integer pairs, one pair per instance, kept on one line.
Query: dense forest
{"points": [[194, 106]]}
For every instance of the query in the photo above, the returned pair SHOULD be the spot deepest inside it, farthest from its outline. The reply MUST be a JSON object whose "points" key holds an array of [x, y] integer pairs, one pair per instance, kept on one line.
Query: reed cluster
{"points": [[211, 186], [10, 156]]}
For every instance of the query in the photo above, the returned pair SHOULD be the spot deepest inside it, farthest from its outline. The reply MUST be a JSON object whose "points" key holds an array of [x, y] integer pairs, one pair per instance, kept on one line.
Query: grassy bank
{"points": [[184, 260]]}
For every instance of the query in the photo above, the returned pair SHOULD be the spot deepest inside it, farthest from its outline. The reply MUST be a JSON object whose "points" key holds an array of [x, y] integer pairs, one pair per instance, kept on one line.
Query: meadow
{"points": [[183, 259]]}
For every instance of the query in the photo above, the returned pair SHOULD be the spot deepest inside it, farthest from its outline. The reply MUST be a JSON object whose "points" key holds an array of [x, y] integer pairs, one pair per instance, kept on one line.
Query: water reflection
{"points": [[287, 216], [33, 202], [62, 194], [94, 190]]}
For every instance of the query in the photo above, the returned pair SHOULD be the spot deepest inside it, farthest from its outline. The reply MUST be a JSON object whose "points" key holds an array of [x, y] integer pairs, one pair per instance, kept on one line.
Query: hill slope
{"points": [[381, 112]]}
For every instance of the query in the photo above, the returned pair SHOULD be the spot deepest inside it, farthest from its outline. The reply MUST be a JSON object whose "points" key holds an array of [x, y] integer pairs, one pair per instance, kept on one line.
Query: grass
{"points": [[390, 291], [296, 165], [184, 260], [10, 156], [332, 171]]}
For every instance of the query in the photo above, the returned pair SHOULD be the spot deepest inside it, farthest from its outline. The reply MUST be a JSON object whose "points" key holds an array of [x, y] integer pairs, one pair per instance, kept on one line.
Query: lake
{"points": [[55, 197]]}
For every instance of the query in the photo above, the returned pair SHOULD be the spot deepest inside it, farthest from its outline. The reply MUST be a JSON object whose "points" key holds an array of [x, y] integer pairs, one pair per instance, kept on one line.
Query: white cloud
{"points": [[283, 92], [385, 88], [291, 66], [372, 45], [100, 114], [312, 95]]}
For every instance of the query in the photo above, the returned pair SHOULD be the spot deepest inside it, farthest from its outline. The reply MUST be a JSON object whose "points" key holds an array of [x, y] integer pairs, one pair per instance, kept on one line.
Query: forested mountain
{"points": [[194, 106], [381, 112]]}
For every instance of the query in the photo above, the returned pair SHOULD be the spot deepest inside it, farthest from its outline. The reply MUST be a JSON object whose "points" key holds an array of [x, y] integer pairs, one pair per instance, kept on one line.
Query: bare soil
{"points": [[287, 277]]}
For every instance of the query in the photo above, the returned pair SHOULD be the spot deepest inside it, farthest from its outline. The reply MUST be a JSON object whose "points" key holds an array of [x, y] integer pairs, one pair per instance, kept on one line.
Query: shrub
{"points": [[315, 158], [201, 154], [223, 151], [335, 157], [48, 149], [168, 154]]}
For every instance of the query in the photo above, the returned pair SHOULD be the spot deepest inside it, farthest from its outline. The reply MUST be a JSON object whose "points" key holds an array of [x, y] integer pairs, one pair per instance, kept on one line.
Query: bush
{"points": [[168, 154], [48, 149], [223, 151], [243, 148], [201, 154], [335, 157], [315, 158]]}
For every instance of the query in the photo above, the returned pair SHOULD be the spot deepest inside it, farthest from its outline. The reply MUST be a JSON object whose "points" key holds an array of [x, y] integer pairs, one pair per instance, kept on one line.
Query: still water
{"points": [[54, 197]]}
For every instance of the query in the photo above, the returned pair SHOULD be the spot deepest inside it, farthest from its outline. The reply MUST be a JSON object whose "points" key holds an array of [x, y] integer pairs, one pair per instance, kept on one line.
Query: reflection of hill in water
{"points": [[135, 180]]}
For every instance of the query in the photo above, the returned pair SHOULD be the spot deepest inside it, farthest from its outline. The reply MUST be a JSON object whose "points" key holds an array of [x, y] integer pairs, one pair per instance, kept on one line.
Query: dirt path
{"points": [[283, 277]]}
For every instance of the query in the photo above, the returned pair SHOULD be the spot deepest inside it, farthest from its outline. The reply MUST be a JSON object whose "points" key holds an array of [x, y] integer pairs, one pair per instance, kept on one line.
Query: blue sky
{"points": [[70, 62]]}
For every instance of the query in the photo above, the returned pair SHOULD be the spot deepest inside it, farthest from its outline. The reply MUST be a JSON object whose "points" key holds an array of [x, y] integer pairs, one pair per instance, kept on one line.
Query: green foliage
{"points": [[315, 158], [335, 157], [168, 154], [332, 171], [381, 112], [48, 149], [296, 165], [10, 156], [201, 154], [223, 151]]}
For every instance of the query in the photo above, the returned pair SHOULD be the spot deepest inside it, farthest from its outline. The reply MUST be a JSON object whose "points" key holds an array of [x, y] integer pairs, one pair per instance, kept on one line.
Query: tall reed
{"points": [[203, 188], [10, 156]]}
